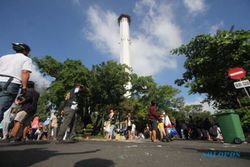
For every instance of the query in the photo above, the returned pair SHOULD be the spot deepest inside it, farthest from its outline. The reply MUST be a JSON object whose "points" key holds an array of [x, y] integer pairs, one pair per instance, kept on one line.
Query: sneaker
{"points": [[12, 140]]}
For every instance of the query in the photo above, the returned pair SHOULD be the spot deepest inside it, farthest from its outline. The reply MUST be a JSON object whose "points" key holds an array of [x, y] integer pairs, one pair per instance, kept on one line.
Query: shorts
{"points": [[152, 125], [20, 116], [27, 120], [129, 128]]}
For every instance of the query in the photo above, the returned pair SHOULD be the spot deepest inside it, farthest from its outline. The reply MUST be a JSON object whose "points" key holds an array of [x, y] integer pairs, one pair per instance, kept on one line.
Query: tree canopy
{"points": [[106, 88], [209, 57]]}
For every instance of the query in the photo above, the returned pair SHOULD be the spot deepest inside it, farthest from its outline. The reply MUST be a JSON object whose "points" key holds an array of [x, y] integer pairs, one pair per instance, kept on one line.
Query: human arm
{"points": [[25, 75], [25, 72]]}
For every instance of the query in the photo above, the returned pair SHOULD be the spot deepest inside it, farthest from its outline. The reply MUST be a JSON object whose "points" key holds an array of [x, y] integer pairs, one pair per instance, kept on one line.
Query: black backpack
{"points": [[213, 131]]}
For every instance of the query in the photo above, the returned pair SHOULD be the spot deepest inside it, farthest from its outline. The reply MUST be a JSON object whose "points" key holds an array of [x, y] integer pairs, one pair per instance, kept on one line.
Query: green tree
{"points": [[209, 57], [197, 108], [106, 88], [107, 84], [65, 76], [141, 85], [165, 97]]}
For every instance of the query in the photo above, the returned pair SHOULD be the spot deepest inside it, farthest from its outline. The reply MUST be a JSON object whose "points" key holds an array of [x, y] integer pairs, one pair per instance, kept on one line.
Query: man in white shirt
{"points": [[15, 71]]}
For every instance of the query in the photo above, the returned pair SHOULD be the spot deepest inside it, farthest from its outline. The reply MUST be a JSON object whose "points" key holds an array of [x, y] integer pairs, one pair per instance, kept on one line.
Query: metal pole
{"points": [[246, 91]]}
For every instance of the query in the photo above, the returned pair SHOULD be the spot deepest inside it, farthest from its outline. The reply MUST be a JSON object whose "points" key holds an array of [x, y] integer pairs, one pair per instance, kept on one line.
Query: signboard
{"points": [[236, 73], [242, 84]]}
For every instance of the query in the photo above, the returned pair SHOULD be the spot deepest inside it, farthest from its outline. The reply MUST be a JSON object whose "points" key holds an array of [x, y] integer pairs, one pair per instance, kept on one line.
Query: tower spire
{"points": [[124, 22]]}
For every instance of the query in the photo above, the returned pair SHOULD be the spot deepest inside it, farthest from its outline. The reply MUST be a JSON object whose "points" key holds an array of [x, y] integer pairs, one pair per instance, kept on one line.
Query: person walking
{"points": [[113, 120], [129, 125], [15, 71], [69, 113], [153, 118]]}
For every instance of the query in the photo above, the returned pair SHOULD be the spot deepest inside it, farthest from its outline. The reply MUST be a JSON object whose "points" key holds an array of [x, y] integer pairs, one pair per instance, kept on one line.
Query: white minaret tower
{"points": [[124, 21]]}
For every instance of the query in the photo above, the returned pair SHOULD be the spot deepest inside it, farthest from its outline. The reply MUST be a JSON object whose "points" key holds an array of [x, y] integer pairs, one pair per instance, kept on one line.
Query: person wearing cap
{"points": [[15, 71]]}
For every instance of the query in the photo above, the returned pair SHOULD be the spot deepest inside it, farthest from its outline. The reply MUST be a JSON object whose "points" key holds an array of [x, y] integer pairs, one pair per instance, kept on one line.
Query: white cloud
{"points": [[156, 35], [216, 27], [41, 82], [103, 30], [195, 6]]}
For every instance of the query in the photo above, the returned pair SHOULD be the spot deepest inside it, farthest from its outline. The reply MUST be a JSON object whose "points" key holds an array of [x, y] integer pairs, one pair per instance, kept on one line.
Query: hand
{"points": [[24, 90]]}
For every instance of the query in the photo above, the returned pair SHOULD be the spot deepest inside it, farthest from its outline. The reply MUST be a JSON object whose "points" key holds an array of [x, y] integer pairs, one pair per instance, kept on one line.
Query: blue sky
{"points": [[88, 30]]}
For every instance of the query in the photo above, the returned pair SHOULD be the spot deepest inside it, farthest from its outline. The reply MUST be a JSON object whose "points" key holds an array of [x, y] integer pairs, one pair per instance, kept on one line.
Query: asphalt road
{"points": [[133, 154]]}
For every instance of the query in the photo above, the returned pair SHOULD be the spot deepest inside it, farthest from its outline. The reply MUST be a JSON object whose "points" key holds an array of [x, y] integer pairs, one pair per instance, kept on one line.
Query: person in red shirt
{"points": [[153, 117]]}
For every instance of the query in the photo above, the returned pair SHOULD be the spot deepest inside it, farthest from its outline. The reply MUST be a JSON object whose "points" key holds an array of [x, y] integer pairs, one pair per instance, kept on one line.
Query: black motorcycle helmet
{"points": [[21, 48]]}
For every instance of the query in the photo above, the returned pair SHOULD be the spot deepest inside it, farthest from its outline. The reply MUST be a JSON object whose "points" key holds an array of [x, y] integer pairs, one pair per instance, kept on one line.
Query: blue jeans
{"points": [[7, 97], [112, 131]]}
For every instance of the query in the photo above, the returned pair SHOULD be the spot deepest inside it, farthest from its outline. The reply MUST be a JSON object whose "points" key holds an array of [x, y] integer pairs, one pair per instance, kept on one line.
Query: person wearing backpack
{"points": [[215, 133]]}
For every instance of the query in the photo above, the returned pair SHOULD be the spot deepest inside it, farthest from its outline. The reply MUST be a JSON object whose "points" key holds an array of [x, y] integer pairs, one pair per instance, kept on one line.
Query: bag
{"points": [[106, 127]]}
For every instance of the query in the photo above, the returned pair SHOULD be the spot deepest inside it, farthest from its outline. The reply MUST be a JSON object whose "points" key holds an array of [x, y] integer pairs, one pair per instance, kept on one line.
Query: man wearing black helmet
{"points": [[15, 71]]}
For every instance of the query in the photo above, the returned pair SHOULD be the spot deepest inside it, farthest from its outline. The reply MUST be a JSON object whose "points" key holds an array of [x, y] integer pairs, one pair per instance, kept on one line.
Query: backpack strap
{"points": [[7, 83]]}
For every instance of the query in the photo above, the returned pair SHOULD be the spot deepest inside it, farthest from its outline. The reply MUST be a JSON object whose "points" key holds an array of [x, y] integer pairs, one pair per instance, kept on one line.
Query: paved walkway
{"points": [[138, 153]]}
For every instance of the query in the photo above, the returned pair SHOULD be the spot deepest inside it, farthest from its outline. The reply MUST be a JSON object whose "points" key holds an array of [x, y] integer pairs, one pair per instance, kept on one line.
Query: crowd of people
{"points": [[161, 128], [18, 106], [18, 102], [113, 128]]}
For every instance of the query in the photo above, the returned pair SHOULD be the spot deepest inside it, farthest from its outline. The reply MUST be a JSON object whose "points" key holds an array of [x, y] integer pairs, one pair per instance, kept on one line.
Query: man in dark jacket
{"points": [[69, 112], [28, 108]]}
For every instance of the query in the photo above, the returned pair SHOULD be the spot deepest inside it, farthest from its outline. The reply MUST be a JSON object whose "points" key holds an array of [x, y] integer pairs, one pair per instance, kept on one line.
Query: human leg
{"points": [[18, 120], [7, 97], [154, 127], [5, 124], [111, 131], [73, 127], [68, 116]]}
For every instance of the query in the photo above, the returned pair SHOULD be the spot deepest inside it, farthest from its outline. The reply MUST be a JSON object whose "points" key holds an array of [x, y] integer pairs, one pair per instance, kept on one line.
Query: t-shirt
{"points": [[152, 113], [35, 123], [30, 103], [161, 125], [167, 121], [12, 65], [133, 128]]}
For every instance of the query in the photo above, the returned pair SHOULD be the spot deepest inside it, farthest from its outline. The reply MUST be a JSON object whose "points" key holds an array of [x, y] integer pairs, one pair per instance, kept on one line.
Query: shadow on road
{"points": [[215, 153], [95, 162], [28, 157], [24, 143]]}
